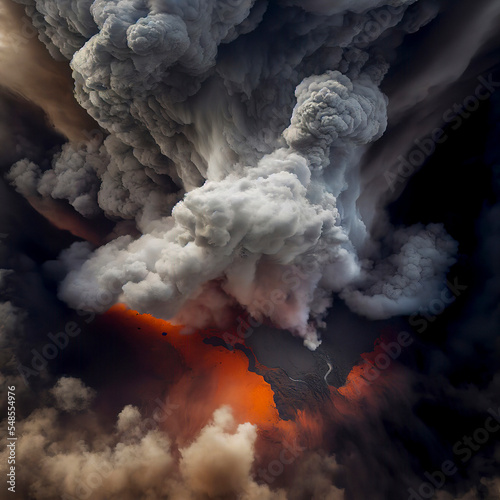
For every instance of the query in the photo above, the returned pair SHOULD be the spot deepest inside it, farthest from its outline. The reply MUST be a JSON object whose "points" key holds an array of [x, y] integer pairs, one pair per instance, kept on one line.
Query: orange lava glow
{"points": [[356, 384], [206, 377], [371, 373], [198, 378]]}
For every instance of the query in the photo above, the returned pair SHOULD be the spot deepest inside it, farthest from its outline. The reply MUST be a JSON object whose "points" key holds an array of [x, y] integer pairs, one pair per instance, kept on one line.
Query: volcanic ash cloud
{"points": [[233, 139]]}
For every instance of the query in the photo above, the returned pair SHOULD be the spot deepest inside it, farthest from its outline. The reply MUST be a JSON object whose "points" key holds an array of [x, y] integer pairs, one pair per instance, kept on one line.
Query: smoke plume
{"points": [[194, 191], [231, 167]]}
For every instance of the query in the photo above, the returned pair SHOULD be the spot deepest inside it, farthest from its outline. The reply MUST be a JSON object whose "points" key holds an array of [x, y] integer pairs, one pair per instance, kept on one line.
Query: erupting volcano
{"points": [[248, 249]]}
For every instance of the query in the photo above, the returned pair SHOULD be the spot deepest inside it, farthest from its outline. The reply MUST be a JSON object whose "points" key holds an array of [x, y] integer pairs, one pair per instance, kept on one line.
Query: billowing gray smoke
{"points": [[234, 134]]}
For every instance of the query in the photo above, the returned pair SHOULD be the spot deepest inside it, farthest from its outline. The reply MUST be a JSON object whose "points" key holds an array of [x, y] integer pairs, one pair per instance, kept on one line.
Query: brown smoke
{"points": [[39, 78]]}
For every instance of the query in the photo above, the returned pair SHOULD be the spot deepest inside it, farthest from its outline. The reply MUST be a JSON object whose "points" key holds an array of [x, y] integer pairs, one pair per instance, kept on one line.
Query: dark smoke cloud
{"points": [[165, 140], [241, 156]]}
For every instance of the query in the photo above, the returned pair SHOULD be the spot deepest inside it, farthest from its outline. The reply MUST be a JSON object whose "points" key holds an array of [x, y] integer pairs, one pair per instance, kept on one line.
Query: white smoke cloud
{"points": [[96, 178], [333, 110], [406, 280], [277, 209], [266, 148], [72, 395]]}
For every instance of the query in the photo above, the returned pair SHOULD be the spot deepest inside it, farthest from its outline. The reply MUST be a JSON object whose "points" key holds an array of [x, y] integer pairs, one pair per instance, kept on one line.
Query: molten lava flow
{"points": [[375, 370], [191, 374], [197, 377], [202, 379]]}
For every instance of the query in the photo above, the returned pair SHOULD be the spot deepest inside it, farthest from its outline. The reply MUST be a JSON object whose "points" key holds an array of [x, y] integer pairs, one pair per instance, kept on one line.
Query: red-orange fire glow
{"points": [[198, 378], [375, 370], [204, 378]]}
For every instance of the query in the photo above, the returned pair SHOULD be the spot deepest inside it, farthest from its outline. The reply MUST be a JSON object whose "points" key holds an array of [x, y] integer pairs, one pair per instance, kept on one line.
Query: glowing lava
{"points": [[375, 370], [205, 378], [199, 377]]}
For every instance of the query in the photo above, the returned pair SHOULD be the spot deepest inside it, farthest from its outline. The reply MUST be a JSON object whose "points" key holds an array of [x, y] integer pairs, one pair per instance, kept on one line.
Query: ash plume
{"points": [[243, 165], [231, 167]]}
